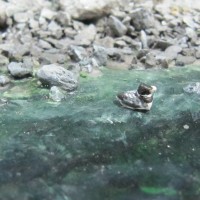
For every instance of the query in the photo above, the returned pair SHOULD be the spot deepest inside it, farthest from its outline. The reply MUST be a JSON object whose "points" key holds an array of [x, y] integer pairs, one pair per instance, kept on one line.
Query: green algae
{"points": [[157, 191]]}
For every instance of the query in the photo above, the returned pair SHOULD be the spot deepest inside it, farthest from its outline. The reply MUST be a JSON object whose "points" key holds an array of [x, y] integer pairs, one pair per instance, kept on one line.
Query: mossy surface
{"points": [[87, 147]]}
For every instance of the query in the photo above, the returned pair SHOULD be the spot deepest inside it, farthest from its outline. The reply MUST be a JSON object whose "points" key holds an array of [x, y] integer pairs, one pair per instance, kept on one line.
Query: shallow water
{"points": [[87, 147]]}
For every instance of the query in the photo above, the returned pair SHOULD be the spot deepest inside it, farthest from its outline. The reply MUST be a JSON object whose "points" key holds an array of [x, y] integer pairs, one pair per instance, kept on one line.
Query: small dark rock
{"points": [[160, 44], [142, 53]]}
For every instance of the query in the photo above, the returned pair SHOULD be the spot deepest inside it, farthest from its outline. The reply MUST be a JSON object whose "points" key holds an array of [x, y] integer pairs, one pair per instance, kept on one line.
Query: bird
{"points": [[140, 99]]}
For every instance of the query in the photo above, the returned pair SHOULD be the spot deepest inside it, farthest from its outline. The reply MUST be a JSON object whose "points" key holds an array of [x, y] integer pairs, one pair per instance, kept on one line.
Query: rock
{"points": [[55, 75], [144, 41], [77, 53], [44, 44], [142, 19], [85, 10], [172, 52], [150, 60], [63, 18], [142, 53], [86, 36], [107, 42], [48, 14], [49, 58], [160, 44], [192, 88], [4, 80], [20, 70], [3, 22], [56, 94], [198, 53], [100, 55], [184, 60], [33, 24], [55, 29], [118, 29], [21, 17], [3, 60]]}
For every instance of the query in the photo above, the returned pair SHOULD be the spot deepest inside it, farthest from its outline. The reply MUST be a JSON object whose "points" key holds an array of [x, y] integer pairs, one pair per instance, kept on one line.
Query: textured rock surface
{"points": [[20, 70], [55, 75]]}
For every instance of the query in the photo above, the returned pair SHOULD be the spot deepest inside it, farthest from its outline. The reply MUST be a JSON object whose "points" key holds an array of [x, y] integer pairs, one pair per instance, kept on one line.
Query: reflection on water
{"points": [[87, 147]]}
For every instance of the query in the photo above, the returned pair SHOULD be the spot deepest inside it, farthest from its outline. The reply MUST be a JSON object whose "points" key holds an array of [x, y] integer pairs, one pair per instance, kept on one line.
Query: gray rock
{"points": [[56, 94], [33, 24], [86, 36], [107, 42], [142, 19], [100, 55], [192, 88], [118, 29], [3, 60], [4, 80], [150, 60], [172, 52], [160, 44], [198, 53], [21, 17], [77, 53], [20, 70], [144, 40], [184, 60], [55, 75], [141, 53], [49, 58], [55, 29], [63, 18], [48, 14], [84, 10], [44, 44]]}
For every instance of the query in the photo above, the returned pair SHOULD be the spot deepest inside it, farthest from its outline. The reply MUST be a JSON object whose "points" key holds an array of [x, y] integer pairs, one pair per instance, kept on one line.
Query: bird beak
{"points": [[154, 88]]}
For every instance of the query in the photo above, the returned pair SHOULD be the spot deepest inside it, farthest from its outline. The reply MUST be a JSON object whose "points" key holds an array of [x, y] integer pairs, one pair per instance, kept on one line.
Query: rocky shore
{"points": [[57, 41]]}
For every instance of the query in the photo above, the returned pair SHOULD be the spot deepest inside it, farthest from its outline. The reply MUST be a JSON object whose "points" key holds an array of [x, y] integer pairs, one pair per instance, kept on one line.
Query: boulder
{"points": [[184, 60], [84, 9], [20, 70], [77, 53], [172, 52], [100, 55], [55, 75]]}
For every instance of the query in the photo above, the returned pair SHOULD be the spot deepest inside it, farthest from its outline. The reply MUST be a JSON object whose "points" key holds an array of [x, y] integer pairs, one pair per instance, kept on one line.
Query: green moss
{"points": [[158, 190]]}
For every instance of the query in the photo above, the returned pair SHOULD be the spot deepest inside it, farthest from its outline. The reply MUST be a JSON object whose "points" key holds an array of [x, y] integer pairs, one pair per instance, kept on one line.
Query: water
{"points": [[87, 147]]}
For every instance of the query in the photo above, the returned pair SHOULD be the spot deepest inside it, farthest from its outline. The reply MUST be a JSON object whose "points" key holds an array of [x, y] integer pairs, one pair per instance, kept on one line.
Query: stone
{"points": [[44, 44], [3, 60], [142, 19], [4, 80], [56, 94], [184, 60], [63, 18], [77, 53], [48, 14], [118, 29], [198, 53], [150, 60], [49, 58], [192, 88], [100, 55], [33, 24], [55, 29], [86, 36], [160, 44], [55, 75], [20, 70], [86, 10], [21, 17], [141, 53], [144, 40], [107, 42], [172, 52]]}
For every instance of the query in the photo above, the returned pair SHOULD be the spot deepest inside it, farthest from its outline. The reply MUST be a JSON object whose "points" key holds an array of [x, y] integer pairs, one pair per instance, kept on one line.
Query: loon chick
{"points": [[140, 99]]}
